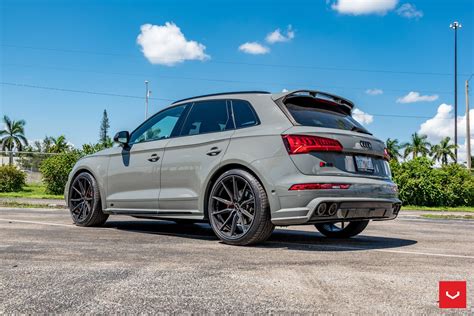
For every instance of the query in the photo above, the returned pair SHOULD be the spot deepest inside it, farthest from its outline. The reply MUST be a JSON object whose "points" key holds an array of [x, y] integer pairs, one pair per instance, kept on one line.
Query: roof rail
{"points": [[314, 93], [221, 93]]}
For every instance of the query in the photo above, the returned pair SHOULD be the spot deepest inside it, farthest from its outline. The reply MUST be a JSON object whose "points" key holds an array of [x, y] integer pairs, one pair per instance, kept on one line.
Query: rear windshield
{"points": [[318, 115]]}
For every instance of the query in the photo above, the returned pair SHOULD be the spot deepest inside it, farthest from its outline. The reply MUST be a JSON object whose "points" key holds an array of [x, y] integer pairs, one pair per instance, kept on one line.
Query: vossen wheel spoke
{"points": [[81, 187], [234, 224], [228, 192], [76, 190], [226, 210], [217, 198], [241, 196], [247, 202], [235, 188], [247, 213], [227, 221]]}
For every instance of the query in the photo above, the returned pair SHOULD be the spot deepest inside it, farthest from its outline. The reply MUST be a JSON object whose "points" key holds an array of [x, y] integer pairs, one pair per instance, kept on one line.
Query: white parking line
{"points": [[280, 243], [40, 223], [384, 250]]}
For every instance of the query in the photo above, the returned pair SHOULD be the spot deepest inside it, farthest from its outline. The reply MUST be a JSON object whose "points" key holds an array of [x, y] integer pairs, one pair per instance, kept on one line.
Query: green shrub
{"points": [[421, 184], [11, 179], [56, 169]]}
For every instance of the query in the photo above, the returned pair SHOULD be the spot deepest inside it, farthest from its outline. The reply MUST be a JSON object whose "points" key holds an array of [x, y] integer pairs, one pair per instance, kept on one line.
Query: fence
{"points": [[29, 162]]}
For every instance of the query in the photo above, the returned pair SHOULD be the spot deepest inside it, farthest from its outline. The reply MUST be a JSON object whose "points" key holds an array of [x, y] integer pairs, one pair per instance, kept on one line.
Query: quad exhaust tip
{"points": [[326, 209], [321, 210], [332, 209]]}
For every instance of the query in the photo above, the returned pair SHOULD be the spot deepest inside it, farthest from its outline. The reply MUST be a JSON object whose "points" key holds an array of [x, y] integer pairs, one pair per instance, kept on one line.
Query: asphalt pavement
{"points": [[47, 265]]}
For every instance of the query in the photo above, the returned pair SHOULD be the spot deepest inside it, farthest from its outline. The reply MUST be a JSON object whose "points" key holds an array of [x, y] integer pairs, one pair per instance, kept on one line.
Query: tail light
{"points": [[386, 154], [319, 186], [302, 144]]}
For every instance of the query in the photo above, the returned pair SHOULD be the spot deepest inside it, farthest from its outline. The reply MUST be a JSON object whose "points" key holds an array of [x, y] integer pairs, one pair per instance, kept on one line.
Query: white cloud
{"points": [[362, 117], [413, 96], [360, 7], [442, 125], [284, 90], [374, 91], [277, 37], [166, 45], [254, 48], [409, 11]]}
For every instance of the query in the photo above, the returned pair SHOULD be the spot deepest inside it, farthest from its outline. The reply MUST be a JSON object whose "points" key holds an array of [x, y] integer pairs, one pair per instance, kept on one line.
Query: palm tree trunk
{"points": [[10, 157]]}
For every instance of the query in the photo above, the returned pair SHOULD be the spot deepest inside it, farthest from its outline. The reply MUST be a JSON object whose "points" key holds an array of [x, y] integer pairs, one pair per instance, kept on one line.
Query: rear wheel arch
{"points": [[217, 173]]}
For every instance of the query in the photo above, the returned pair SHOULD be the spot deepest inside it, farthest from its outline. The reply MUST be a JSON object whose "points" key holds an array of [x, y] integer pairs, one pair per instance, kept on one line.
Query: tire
{"points": [[84, 201], [241, 218], [349, 230]]}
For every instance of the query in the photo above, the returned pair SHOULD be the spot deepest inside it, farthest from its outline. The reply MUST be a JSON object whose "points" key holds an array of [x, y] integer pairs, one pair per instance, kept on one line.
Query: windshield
{"points": [[319, 117]]}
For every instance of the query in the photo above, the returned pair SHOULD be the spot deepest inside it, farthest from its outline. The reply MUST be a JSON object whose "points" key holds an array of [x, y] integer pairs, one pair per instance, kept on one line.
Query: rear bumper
{"points": [[345, 208]]}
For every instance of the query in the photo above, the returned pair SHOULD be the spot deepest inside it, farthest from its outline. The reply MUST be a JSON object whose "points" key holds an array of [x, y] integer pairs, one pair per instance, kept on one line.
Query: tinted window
{"points": [[159, 126], [320, 117], [207, 117], [244, 115]]}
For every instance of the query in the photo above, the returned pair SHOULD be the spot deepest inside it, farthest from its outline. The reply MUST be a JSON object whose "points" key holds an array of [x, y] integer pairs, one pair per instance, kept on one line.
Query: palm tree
{"points": [[13, 136], [393, 148], [443, 150], [57, 145], [418, 145]]}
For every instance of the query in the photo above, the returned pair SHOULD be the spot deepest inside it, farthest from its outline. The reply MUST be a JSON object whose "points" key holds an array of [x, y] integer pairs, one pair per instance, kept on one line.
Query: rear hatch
{"points": [[326, 140]]}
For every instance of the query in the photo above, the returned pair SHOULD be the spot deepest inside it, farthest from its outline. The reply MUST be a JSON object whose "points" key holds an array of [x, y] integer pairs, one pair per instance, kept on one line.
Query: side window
{"points": [[244, 115], [159, 126], [207, 117]]}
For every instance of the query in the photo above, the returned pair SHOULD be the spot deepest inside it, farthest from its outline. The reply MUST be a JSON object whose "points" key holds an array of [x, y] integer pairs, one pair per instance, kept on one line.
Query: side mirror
{"points": [[122, 137]]}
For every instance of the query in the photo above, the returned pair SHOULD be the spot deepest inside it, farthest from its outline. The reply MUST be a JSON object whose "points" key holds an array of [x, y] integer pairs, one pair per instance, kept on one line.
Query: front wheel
{"points": [[84, 201], [341, 229], [238, 209]]}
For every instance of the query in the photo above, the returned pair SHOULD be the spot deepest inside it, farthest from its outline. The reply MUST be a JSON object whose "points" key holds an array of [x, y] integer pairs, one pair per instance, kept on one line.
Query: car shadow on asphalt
{"points": [[281, 238]]}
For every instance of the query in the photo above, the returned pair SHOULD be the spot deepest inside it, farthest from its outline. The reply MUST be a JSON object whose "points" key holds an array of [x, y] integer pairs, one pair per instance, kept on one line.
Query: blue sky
{"points": [[337, 46]]}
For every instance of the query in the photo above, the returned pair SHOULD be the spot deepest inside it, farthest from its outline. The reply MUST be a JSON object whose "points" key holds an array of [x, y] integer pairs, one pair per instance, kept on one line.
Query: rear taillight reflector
{"points": [[319, 186], [301, 144], [386, 154]]}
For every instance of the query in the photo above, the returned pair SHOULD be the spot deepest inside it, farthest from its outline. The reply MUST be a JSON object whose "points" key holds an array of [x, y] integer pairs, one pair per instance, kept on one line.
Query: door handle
{"points": [[214, 151], [154, 158]]}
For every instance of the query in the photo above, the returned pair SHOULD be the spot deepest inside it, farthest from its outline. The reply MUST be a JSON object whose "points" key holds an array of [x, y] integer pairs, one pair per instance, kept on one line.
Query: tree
{"points": [[58, 145], [418, 145], [104, 138], [443, 150], [13, 136], [393, 148]]}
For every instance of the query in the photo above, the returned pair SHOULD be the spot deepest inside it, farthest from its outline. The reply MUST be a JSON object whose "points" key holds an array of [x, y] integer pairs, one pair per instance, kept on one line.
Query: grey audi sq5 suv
{"points": [[245, 162]]}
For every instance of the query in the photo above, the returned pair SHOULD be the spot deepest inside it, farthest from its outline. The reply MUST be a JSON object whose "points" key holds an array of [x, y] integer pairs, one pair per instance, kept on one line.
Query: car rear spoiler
{"points": [[344, 103]]}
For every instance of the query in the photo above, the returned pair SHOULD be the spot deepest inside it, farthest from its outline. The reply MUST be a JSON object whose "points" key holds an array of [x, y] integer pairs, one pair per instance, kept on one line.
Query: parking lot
{"points": [[143, 266]]}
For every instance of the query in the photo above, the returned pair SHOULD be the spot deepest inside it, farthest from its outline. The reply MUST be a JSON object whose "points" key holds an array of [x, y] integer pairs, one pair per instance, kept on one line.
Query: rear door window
{"points": [[244, 115], [207, 117]]}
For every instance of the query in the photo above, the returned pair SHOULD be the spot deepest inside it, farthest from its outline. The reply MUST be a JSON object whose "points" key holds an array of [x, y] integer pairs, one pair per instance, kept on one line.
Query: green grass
{"points": [[437, 216], [469, 209], [33, 191]]}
